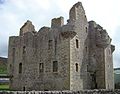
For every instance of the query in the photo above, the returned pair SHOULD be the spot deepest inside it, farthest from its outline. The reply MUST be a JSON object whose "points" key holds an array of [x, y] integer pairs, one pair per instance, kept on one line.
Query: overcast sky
{"points": [[14, 13]]}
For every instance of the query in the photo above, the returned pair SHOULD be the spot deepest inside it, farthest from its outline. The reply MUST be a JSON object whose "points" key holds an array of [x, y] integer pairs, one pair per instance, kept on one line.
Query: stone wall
{"points": [[77, 48], [63, 92], [100, 55], [30, 50]]}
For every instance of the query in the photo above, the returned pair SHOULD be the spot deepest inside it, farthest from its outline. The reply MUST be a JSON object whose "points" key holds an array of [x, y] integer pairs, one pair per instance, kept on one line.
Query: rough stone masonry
{"points": [[102, 91], [73, 56]]}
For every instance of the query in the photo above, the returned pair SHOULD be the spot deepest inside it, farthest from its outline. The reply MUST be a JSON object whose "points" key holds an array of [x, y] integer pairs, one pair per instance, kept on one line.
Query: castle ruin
{"points": [[72, 56]]}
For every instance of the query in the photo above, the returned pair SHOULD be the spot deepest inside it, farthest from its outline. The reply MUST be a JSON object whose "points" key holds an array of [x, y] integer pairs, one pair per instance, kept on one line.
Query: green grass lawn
{"points": [[4, 87], [3, 69]]}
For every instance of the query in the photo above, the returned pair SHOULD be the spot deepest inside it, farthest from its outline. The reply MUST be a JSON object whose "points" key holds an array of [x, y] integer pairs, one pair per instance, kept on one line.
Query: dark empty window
{"points": [[55, 66], [49, 44], [20, 68], [24, 49], [94, 80], [77, 44], [76, 65], [10, 68], [41, 67], [86, 29], [86, 49], [23, 88]]}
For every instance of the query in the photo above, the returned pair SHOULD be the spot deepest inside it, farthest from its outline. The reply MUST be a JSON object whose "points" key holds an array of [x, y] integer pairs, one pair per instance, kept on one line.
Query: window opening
{"points": [[76, 67], [24, 49], [49, 44], [77, 45], [86, 29], [41, 67], [20, 68], [55, 66]]}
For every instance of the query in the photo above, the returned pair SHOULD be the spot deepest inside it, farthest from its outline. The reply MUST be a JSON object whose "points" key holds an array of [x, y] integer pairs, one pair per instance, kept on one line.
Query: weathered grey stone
{"points": [[64, 92], [75, 56]]}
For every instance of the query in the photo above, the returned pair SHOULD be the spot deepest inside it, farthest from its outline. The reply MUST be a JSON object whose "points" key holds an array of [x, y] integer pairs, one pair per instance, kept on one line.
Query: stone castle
{"points": [[72, 56]]}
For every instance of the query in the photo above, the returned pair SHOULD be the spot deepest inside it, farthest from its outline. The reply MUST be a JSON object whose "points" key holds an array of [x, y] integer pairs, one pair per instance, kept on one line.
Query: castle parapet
{"points": [[44, 29], [57, 22], [102, 37]]}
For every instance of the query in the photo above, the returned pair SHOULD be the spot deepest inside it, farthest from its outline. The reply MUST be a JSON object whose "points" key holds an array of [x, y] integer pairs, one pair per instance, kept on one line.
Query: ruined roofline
{"points": [[27, 27], [57, 22], [102, 37], [77, 5], [28, 21], [97, 26], [44, 28], [75, 10]]}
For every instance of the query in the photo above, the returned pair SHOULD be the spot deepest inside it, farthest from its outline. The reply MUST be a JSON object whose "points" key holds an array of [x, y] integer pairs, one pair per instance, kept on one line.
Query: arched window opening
{"points": [[76, 67], [20, 68], [77, 44], [55, 66]]}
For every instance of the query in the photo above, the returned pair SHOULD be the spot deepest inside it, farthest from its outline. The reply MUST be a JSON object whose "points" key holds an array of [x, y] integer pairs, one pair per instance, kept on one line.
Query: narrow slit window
{"points": [[10, 69], [76, 65], [77, 44], [55, 66], [20, 68], [86, 29], [24, 49], [49, 44], [41, 67], [86, 49]]}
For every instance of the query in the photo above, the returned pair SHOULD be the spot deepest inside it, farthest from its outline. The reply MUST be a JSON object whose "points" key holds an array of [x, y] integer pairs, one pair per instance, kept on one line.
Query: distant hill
{"points": [[3, 65], [117, 78]]}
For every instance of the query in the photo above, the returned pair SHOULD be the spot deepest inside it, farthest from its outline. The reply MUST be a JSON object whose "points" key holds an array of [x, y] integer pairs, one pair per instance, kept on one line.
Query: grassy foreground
{"points": [[3, 68], [4, 87]]}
